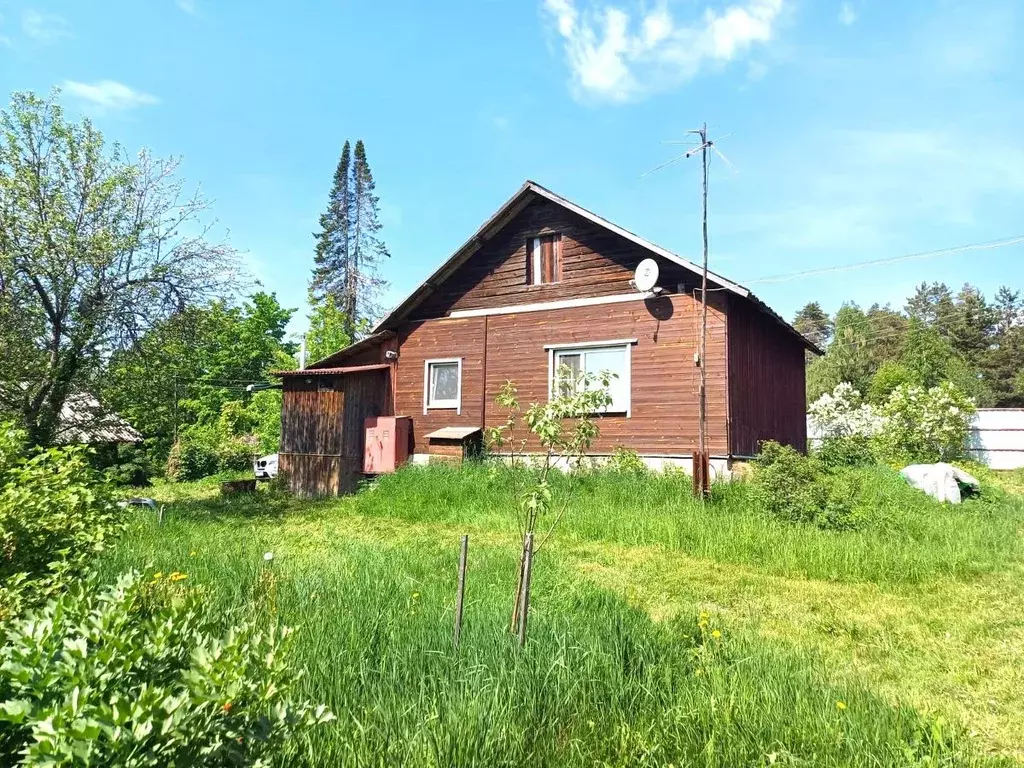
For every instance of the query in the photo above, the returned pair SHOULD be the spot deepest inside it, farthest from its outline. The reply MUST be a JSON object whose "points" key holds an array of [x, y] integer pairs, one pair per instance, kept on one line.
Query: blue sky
{"points": [[859, 130]]}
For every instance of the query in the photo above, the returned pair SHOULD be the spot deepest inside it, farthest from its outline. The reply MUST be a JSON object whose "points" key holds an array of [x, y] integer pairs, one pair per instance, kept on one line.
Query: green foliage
{"points": [[194, 456], [791, 487], [140, 674], [925, 425], [564, 427], [848, 358], [129, 466], [625, 461], [190, 370], [329, 329], [890, 375], [55, 516], [95, 244]]}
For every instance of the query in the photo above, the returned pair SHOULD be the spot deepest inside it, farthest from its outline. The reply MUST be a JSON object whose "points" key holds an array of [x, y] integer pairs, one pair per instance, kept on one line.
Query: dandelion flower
{"points": [[177, 576], [268, 556], [158, 575], [840, 705], [192, 553], [716, 634]]}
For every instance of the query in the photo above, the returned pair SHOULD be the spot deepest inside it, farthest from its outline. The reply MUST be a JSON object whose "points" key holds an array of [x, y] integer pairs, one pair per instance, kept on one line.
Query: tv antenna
{"points": [[701, 484]]}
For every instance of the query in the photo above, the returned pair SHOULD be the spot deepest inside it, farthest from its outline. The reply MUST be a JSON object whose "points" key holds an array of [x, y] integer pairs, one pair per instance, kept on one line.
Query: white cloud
{"points": [[109, 95], [847, 15], [612, 59], [44, 28], [188, 6]]}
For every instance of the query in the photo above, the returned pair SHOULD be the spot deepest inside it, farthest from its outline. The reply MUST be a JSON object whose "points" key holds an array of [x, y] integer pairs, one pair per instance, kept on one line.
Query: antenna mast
{"points": [[702, 486]]}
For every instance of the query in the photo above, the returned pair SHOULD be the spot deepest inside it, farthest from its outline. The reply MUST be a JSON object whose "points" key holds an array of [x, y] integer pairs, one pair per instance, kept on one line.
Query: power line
{"points": [[890, 260]]}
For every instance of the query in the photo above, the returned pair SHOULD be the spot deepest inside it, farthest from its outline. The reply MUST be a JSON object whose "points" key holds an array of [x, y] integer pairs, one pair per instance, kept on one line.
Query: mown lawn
{"points": [[662, 631]]}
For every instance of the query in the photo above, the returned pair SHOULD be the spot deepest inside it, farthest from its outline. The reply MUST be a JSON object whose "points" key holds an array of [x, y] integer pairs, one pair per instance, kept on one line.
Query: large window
{"points": [[567, 362], [544, 259], [442, 384]]}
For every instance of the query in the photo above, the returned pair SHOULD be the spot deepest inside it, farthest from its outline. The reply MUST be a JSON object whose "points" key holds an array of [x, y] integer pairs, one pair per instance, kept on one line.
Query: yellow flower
{"points": [[840, 705], [192, 553], [177, 576], [716, 634], [415, 595], [158, 575]]}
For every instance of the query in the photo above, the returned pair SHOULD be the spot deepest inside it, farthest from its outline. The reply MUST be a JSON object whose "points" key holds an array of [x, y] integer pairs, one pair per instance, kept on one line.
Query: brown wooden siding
{"points": [[663, 416], [767, 397], [322, 429], [593, 262]]}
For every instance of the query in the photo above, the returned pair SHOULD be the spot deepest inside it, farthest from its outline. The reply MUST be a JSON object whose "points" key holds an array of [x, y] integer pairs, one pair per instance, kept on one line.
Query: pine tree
{"points": [[932, 305], [814, 323], [972, 326], [1009, 310]]}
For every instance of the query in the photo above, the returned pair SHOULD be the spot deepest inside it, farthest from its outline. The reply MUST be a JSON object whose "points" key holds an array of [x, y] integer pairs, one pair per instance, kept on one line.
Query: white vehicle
{"points": [[265, 467]]}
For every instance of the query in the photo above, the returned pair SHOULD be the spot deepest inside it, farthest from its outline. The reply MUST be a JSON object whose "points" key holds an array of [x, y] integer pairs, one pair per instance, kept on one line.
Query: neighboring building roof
{"points": [[84, 420], [513, 206], [332, 371]]}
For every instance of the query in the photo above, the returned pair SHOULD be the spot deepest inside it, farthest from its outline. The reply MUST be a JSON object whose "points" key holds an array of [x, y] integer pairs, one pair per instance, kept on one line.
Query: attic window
{"points": [[544, 259]]}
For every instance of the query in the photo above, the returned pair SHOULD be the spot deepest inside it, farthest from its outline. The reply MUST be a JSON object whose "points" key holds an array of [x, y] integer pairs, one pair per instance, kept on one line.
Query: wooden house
{"points": [[544, 283]]}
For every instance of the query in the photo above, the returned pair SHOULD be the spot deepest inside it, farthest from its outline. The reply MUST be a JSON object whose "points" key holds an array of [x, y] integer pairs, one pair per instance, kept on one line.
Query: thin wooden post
{"points": [[524, 598], [463, 550]]}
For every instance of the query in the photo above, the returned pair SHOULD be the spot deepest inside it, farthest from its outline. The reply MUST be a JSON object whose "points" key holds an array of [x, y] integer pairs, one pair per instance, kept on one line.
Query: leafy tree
{"points": [[849, 356], [932, 360], [888, 333], [349, 247], [328, 329], [890, 375], [187, 368], [96, 247]]}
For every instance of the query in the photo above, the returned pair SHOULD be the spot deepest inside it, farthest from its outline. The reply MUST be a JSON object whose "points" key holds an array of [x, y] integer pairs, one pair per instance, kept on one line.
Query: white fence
{"points": [[996, 438]]}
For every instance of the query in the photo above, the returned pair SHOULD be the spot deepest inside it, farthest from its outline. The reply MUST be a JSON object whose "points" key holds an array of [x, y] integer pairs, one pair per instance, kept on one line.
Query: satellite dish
{"points": [[646, 275]]}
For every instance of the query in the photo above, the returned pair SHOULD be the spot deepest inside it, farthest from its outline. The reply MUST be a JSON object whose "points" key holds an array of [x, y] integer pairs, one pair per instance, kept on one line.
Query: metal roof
{"points": [[83, 420], [351, 349], [526, 194], [453, 433]]}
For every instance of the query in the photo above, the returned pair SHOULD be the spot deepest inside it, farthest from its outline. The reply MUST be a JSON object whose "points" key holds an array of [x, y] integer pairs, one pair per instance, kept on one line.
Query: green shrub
{"points": [[55, 515], [795, 488], [192, 457], [846, 451], [234, 455], [626, 461], [138, 674], [129, 466]]}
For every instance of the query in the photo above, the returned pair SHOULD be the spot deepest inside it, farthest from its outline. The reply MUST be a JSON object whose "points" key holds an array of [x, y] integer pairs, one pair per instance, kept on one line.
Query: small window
{"points": [[325, 384], [592, 360], [442, 384], [544, 259]]}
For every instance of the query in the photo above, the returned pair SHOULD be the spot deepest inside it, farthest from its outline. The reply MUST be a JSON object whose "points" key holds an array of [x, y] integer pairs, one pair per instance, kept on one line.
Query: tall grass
{"points": [[598, 683], [904, 536]]}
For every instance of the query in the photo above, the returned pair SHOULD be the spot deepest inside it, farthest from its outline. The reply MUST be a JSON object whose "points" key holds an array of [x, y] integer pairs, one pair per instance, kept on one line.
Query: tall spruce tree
{"points": [[333, 271], [346, 280], [368, 248]]}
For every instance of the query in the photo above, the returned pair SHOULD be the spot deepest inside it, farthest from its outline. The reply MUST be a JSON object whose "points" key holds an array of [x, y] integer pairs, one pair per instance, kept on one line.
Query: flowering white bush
{"points": [[925, 425], [843, 413]]}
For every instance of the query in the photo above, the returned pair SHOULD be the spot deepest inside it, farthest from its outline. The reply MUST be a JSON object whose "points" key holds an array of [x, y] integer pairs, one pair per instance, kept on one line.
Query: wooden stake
{"points": [[463, 550], [524, 606]]}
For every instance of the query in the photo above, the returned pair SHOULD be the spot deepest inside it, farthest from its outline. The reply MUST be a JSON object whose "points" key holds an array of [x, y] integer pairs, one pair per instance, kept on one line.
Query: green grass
{"points": [[910, 622]]}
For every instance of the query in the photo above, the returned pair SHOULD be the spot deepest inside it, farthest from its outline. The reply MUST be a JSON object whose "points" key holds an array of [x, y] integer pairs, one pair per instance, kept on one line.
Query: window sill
{"points": [[444, 407]]}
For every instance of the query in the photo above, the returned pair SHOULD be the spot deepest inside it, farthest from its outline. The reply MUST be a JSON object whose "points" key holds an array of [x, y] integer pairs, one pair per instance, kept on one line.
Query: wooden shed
{"points": [[322, 415]]}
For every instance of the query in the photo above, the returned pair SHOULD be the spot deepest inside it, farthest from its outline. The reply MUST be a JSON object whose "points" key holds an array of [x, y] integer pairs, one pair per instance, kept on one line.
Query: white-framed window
{"points": [[593, 358], [442, 384]]}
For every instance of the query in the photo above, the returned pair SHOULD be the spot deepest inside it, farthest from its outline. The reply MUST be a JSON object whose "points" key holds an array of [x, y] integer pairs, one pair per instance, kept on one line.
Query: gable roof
{"points": [[526, 194]]}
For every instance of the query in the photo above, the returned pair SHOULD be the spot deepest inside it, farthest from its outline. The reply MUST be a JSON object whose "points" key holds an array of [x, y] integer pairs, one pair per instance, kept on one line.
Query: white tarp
{"points": [[940, 481]]}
